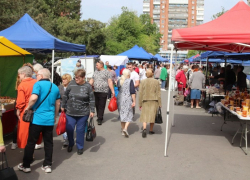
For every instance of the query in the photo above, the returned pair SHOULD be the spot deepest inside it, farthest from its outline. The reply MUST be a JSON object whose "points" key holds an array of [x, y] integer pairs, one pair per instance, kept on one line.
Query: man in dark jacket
{"points": [[230, 78], [241, 79]]}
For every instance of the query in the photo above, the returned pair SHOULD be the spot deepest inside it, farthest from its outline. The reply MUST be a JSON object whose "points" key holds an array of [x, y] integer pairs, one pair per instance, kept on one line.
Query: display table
{"points": [[8, 121], [244, 121]]}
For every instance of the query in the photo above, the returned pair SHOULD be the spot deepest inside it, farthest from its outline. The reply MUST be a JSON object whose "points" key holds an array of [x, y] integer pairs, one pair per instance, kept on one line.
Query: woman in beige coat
{"points": [[149, 101]]}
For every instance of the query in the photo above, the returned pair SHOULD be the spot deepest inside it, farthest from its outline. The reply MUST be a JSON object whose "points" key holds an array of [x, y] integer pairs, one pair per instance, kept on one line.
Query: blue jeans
{"points": [[163, 84], [80, 123]]}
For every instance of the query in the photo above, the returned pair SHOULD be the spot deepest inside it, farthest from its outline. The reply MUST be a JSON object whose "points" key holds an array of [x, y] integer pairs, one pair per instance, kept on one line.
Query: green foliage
{"points": [[215, 16], [192, 53], [127, 30]]}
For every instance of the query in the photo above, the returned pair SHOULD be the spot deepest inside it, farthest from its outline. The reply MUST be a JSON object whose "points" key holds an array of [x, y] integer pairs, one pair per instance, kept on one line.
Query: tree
{"points": [[215, 16], [126, 30]]}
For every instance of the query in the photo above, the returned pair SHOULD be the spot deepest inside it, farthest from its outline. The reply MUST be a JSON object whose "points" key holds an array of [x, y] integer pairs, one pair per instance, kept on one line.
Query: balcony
{"points": [[156, 2], [178, 16], [156, 11]]}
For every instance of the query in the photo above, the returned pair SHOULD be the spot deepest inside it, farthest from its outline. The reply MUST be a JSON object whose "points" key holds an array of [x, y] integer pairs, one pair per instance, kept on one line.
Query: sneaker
{"points": [[144, 133], [24, 169], [13, 146], [163, 89], [108, 100], [125, 133], [65, 143], [46, 169], [38, 146]]}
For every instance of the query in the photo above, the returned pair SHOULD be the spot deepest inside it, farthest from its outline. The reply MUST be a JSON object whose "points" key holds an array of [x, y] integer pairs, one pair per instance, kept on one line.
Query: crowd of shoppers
{"points": [[79, 99]]}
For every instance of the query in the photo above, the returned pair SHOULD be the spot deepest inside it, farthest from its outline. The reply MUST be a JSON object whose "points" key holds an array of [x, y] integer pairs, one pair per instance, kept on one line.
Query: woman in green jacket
{"points": [[163, 77]]}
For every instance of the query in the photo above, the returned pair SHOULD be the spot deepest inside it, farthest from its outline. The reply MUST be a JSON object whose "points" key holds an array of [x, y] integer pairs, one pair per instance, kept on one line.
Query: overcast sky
{"points": [[103, 10]]}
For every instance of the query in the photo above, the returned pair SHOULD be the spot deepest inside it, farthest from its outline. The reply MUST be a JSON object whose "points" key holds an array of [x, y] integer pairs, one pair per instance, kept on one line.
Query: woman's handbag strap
{"points": [[44, 98]]}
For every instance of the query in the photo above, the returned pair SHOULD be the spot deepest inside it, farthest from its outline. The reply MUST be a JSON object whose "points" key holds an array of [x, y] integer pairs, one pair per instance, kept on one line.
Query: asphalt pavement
{"points": [[197, 150]]}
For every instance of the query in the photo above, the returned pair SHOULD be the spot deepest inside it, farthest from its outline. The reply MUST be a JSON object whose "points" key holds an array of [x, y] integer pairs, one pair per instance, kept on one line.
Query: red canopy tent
{"points": [[226, 33], [229, 32]]}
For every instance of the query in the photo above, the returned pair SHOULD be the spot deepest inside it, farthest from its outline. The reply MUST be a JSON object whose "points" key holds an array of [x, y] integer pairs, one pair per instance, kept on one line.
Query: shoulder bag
{"points": [[29, 114], [7, 173], [91, 132]]}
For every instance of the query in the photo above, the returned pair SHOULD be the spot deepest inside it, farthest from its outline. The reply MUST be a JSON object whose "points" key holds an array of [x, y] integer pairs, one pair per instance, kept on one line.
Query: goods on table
{"points": [[238, 102], [215, 90], [6, 99], [7, 103]]}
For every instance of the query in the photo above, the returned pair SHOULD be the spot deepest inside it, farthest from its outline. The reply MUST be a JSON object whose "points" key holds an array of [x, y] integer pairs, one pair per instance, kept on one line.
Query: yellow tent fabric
{"points": [[7, 48]]}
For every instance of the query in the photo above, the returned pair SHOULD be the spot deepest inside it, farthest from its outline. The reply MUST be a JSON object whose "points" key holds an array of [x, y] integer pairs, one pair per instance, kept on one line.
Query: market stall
{"points": [[12, 57], [228, 33], [27, 34]]}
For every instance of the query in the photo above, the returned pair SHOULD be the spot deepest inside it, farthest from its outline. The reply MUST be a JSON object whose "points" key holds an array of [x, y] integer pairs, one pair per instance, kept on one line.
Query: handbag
{"points": [[91, 132], [61, 125], [29, 114], [158, 117], [7, 173]]}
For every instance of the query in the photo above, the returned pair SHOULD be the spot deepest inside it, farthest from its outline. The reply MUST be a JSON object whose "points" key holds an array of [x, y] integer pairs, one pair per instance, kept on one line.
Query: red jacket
{"points": [[181, 77]]}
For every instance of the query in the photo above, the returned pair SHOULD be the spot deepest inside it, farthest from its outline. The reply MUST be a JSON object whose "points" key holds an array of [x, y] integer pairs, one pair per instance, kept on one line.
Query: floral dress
{"points": [[124, 100]]}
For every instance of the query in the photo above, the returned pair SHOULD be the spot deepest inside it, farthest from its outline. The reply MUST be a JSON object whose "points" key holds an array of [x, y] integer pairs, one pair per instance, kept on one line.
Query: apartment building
{"points": [[248, 2], [173, 14]]}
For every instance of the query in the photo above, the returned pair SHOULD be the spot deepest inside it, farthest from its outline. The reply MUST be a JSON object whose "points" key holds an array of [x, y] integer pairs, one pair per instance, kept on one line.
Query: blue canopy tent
{"points": [[137, 53], [27, 34], [151, 55], [161, 59]]}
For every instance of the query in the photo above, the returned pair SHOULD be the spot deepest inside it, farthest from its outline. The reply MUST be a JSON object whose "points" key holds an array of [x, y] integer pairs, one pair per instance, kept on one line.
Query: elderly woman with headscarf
{"points": [[126, 100], [149, 101]]}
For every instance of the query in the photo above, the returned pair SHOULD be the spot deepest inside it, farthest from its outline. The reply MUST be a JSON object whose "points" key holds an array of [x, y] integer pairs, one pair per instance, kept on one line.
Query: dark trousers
{"points": [[100, 103], [34, 133], [14, 134], [109, 94], [80, 124]]}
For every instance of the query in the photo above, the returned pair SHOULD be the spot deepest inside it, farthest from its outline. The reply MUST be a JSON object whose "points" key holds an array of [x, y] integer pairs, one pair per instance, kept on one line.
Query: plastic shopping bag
{"points": [[113, 104], [61, 126]]}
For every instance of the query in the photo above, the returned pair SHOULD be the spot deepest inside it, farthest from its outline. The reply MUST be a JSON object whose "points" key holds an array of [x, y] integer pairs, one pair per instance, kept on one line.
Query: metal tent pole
{"points": [[52, 67], [225, 75], [168, 103], [170, 76]]}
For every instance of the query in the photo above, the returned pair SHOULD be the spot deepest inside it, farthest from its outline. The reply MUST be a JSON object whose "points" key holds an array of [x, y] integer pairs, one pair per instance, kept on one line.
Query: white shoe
{"points": [[108, 100], [38, 146], [163, 89], [47, 169], [13, 146], [21, 168], [125, 133]]}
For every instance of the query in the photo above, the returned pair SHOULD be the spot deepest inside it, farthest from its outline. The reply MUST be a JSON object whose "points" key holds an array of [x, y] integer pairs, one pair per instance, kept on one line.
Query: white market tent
{"points": [[114, 60]]}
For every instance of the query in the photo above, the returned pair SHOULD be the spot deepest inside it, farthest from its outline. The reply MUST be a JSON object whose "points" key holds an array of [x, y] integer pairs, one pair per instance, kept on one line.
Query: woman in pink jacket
{"points": [[181, 78]]}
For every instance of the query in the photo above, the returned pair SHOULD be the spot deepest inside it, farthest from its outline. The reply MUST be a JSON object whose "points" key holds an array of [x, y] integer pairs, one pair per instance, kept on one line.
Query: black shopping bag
{"points": [[7, 173], [158, 117], [91, 132]]}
